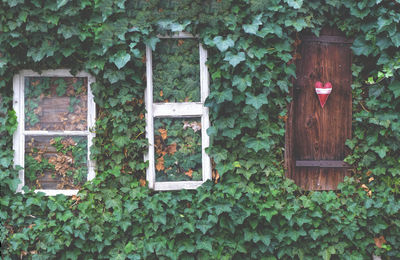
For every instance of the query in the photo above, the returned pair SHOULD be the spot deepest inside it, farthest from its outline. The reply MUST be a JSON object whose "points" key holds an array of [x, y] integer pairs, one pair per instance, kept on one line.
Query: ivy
{"points": [[249, 209]]}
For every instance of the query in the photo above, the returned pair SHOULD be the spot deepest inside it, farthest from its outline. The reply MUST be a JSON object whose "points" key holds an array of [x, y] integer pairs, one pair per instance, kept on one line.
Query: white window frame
{"points": [[177, 110], [20, 133]]}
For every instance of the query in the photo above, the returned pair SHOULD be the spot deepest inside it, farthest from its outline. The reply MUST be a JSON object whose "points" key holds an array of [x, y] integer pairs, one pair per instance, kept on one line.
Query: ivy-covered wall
{"points": [[249, 210]]}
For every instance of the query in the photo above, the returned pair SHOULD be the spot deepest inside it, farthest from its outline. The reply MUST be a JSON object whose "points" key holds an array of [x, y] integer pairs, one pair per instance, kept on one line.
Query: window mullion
{"points": [[150, 176], [177, 109], [57, 133]]}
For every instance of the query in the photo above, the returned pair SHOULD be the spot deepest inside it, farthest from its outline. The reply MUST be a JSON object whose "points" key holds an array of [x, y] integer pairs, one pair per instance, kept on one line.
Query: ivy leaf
{"points": [[381, 151], [361, 47], [120, 59], [257, 145], [396, 39], [5, 161], [283, 86], [225, 95], [256, 101], [206, 245], [61, 3], [299, 24], [234, 59], [395, 87], [253, 27], [382, 22], [13, 3], [242, 83], [222, 44], [177, 27], [129, 248], [152, 42], [296, 4], [270, 28]]}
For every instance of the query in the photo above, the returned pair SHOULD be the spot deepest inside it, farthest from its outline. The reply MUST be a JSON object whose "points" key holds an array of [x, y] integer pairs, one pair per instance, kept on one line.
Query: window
{"points": [[177, 86], [55, 112]]}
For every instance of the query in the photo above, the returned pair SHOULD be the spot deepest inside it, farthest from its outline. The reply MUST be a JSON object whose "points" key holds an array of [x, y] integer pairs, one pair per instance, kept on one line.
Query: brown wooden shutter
{"points": [[315, 136]]}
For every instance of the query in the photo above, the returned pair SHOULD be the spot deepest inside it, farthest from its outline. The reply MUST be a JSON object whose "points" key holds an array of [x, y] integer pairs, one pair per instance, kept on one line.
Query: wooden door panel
{"points": [[316, 136]]}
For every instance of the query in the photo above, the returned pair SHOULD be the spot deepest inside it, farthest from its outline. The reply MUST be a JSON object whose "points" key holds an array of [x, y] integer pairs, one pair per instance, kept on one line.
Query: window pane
{"points": [[176, 71], [177, 145], [56, 162], [54, 103]]}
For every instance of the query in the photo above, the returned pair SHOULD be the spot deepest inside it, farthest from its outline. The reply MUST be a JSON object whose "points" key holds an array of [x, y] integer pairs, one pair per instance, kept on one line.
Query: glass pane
{"points": [[176, 71], [177, 145], [56, 162], [56, 104]]}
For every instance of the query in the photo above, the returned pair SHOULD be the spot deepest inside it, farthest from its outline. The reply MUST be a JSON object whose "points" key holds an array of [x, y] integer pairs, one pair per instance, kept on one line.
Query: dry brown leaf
{"points": [[163, 133], [38, 158], [365, 188], [160, 164], [215, 176], [371, 179], [171, 149], [379, 241], [142, 182], [180, 42], [161, 93], [189, 173], [141, 116]]}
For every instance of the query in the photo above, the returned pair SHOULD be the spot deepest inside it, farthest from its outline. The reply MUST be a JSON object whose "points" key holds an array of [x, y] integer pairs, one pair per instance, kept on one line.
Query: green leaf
{"points": [[253, 27], [270, 29], [61, 3], [268, 214], [222, 44], [395, 88], [396, 39], [205, 244], [296, 4], [256, 101], [283, 86], [235, 59], [177, 27], [381, 151], [382, 22], [5, 161], [225, 95], [120, 59], [241, 83], [257, 144], [361, 47], [152, 42], [129, 248]]}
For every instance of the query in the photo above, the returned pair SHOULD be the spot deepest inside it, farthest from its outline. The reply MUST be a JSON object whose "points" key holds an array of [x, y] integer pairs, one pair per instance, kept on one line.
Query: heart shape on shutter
{"points": [[323, 91]]}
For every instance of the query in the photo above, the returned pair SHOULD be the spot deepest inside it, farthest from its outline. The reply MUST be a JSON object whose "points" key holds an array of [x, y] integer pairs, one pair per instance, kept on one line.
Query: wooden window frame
{"points": [[20, 133], [177, 110]]}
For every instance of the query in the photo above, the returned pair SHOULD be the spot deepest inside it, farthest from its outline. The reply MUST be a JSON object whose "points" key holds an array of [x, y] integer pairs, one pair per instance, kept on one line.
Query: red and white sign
{"points": [[323, 91]]}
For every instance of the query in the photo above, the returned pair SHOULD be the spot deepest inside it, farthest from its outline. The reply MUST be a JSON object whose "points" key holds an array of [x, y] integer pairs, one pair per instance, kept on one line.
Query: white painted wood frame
{"points": [[20, 133], [177, 110]]}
